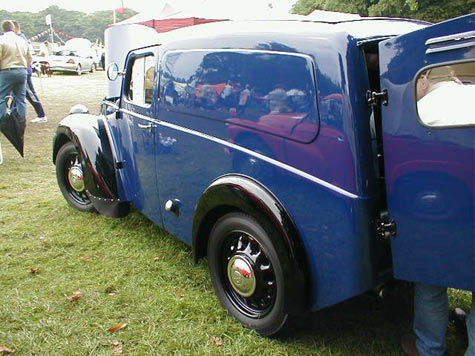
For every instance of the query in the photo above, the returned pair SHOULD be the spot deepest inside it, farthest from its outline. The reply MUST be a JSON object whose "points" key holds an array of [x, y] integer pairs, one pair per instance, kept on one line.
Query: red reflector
{"points": [[70, 61]]}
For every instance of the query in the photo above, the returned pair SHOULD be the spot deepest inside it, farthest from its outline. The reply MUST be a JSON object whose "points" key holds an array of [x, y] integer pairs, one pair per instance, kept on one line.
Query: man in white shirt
{"points": [[445, 103], [15, 58]]}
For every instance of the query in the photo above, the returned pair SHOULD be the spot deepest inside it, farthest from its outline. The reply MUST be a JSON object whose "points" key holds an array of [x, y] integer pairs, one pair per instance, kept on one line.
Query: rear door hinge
{"points": [[375, 99], [385, 227]]}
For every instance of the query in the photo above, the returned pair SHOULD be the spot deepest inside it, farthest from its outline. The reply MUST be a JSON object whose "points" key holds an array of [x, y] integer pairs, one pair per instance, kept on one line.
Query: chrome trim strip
{"points": [[450, 47], [110, 104], [245, 150], [450, 38]]}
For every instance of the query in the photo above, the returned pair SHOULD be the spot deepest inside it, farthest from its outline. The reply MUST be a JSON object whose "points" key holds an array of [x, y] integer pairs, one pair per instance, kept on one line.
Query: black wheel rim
{"points": [[239, 244], [79, 197]]}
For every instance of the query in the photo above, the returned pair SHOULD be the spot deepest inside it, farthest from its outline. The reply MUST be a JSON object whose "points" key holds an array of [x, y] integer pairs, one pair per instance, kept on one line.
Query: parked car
{"points": [[41, 66], [67, 60], [293, 155]]}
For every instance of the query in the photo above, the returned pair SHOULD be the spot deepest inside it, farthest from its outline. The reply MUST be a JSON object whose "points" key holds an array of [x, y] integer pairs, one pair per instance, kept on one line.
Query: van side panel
{"points": [[325, 191]]}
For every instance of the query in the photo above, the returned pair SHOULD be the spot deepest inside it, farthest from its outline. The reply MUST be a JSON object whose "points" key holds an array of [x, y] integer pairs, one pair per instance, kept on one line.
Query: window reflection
{"points": [[269, 92]]}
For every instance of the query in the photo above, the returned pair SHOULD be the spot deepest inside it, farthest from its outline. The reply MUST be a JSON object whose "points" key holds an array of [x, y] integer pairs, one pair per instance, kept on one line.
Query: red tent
{"points": [[167, 19]]}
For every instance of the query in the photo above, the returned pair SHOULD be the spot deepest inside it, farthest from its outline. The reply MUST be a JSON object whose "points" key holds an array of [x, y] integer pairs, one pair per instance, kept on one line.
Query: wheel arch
{"points": [[90, 135], [239, 193]]}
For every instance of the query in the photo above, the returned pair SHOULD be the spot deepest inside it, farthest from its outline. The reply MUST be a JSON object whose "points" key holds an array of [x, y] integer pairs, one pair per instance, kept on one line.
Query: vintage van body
{"points": [[292, 155]]}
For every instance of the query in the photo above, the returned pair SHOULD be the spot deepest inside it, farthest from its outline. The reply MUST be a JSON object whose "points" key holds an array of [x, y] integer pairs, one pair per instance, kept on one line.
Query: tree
{"points": [[429, 10], [73, 23]]}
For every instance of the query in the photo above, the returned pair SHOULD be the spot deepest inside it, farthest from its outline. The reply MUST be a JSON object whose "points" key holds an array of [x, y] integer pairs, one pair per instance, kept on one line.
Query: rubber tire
{"points": [[65, 154], [275, 319]]}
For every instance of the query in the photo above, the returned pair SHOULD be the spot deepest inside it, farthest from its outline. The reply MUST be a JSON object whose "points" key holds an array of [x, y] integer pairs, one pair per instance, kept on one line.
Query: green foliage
{"points": [[74, 23], [429, 10]]}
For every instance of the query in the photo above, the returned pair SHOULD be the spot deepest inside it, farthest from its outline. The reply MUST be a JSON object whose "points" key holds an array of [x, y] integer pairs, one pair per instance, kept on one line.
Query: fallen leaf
{"points": [[112, 294], [6, 350], [85, 258], [75, 297], [34, 270], [217, 341], [156, 258], [179, 293], [117, 327], [117, 347]]}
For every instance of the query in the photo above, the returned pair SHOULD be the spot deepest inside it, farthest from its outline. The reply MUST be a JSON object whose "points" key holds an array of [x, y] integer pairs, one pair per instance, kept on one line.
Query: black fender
{"points": [[90, 135], [235, 192]]}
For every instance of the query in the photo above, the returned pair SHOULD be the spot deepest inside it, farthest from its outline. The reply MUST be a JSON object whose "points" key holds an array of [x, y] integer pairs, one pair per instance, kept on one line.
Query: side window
{"points": [[445, 95], [261, 90], [140, 91]]}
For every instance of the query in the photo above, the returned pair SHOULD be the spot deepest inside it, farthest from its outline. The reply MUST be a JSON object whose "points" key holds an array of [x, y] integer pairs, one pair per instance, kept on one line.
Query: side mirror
{"points": [[113, 71]]}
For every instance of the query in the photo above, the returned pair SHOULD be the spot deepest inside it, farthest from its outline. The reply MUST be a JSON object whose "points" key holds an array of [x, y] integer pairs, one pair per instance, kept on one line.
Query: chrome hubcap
{"points": [[241, 276], [76, 178]]}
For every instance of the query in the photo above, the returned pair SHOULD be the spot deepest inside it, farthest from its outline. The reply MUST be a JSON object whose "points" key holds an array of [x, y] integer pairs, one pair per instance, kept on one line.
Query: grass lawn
{"points": [[67, 277]]}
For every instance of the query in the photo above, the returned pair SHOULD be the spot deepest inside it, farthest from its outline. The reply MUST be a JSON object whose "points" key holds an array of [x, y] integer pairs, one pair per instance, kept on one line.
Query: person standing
{"points": [[15, 58], [244, 100], [431, 317], [31, 95]]}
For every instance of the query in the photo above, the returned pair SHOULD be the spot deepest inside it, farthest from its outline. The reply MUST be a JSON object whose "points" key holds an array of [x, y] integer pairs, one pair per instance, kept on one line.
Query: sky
{"points": [[89, 6]]}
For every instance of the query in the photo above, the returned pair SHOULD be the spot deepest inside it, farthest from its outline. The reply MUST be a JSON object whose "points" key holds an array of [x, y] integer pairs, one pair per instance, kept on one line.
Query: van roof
{"points": [[359, 29]]}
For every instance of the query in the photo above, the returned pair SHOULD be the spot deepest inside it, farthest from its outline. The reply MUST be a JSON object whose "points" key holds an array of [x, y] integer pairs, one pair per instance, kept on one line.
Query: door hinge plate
{"points": [[385, 227], [375, 99]]}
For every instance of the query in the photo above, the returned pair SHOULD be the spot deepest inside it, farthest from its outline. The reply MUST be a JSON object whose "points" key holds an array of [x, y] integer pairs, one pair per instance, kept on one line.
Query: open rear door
{"points": [[429, 139]]}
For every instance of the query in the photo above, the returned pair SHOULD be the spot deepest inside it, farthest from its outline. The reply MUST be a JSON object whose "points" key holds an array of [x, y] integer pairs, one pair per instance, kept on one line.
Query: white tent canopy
{"points": [[231, 10], [215, 9], [165, 11]]}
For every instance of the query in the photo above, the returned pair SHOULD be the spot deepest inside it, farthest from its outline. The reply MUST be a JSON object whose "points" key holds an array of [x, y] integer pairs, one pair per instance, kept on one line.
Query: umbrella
{"points": [[13, 127]]}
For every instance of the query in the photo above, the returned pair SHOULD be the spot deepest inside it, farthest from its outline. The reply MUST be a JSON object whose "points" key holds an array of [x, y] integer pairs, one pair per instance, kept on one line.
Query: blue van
{"points": [[308, 161]]}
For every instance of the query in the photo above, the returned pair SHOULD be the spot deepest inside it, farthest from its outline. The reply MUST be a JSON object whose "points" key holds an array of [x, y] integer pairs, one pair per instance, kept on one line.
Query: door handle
{"points": [[149, 126]]}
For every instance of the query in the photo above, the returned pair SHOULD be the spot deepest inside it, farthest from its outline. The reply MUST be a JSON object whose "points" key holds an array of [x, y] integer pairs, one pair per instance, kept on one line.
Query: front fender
{"points": [[90, 134]]}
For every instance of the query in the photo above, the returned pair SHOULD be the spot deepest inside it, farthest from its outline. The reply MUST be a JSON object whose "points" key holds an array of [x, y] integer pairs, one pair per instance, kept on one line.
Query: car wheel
{"points": [[246, 269], [70, 176], [79, 69]]}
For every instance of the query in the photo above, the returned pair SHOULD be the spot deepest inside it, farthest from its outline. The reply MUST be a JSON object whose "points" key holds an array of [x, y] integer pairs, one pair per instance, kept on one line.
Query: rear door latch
{"points": [[375, 99]]}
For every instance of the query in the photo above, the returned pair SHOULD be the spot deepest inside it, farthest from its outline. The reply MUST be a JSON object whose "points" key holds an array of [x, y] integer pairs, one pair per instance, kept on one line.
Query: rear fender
{"points": [[241, 193], [90, 134]]}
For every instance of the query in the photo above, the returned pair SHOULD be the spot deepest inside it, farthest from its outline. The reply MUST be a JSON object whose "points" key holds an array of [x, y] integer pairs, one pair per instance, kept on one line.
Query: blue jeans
{"points": [[431, 316], [32, 97], [13, 81]]}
